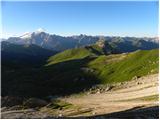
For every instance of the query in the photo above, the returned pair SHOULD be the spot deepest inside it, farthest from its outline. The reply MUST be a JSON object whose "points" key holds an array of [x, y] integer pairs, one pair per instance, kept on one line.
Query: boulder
{"points": [[107, 89], [93, 113], [60, 115], [98, 91], [134, 78]]}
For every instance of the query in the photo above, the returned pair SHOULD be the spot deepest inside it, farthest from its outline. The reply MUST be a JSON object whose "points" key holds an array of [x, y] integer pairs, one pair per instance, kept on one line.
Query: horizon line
{"points": [[41, 29], [79, 1], [98, 35]]}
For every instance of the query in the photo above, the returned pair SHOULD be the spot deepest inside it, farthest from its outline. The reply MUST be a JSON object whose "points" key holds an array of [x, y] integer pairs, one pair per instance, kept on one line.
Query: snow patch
{"points": [[39, 30], [26, 35]]}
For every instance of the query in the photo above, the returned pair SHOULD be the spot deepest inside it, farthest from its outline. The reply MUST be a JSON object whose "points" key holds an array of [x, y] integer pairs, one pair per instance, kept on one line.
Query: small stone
{"points": [[107, 89], [60, 115], [134, 78], [98, 92], [93, 113]]}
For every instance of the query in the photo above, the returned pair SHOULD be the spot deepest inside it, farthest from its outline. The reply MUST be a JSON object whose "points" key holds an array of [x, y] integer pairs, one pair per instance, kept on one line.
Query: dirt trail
{"points": [[127, 96], [141, 93]]}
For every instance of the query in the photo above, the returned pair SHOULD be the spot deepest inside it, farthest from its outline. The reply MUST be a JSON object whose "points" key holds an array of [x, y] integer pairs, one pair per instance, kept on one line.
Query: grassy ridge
{"points": [[77, 53], [77, 69], [106, 68], [138, 64]]}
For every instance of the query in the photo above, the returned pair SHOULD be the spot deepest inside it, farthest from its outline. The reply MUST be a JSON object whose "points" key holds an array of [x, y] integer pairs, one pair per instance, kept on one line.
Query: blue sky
{"points": [[72, 18]]}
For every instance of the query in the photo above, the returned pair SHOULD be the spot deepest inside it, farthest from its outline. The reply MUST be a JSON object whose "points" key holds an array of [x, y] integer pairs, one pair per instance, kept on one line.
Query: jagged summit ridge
{"points": [[61, 43]]}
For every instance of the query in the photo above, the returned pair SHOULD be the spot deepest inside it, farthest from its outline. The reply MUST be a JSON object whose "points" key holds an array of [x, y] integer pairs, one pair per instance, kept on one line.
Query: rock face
{"points": [[35, 102], [107, 47], [101, 43], [53, 42]]}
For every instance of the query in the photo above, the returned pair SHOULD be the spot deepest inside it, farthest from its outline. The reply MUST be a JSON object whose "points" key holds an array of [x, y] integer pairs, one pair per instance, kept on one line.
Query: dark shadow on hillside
{"points": [[96, 52], [134, 113], [69, 77], [60, 79]]}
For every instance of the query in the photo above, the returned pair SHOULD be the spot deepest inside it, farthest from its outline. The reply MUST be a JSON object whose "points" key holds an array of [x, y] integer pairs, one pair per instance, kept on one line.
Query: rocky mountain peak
{"points": [[101, 42]]}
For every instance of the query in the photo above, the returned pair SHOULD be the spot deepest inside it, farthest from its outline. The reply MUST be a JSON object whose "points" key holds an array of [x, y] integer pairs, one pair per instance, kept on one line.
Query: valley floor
{"points": [[135, 99]]}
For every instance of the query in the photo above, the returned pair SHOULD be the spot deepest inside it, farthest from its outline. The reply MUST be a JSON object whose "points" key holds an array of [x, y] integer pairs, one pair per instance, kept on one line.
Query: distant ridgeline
{"points": [[59, 43], [39, 64]]}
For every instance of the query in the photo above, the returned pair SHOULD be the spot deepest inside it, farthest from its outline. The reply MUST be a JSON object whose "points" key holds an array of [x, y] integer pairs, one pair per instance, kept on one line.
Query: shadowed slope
{"points": [[77, 69]]}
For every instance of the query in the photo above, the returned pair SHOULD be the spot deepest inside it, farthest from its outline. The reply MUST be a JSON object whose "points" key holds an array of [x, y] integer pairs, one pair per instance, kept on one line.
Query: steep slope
{"points": [[23, 54], [118, 68], [19, 64]]}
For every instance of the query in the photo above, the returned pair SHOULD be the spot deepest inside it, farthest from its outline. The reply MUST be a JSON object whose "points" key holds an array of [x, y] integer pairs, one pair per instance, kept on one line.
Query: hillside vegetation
{"points": [[77, 69], [77, 53], [82, 72], [110, 68], [101, 47], [122, 67]]}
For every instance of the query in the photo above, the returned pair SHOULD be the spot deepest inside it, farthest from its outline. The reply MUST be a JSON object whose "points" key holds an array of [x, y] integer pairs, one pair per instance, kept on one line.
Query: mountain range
{"points": [[61, 43], [38, 64]]}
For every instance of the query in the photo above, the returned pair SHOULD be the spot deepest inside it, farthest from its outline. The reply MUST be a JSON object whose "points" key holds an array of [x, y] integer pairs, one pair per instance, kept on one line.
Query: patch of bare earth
{"points": [[137, 98], [141, 93]]}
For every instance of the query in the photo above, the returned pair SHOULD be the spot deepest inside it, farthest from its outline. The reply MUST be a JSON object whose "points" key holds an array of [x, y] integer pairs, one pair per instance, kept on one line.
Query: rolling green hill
{"points": [[123, 67], [82, 72], [101, 47], [77, 69], [109, 68], [77, 53]]}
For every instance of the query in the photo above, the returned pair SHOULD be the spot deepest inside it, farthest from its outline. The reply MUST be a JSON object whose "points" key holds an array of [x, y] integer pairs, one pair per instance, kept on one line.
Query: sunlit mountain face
{"points": [[61, 43]]}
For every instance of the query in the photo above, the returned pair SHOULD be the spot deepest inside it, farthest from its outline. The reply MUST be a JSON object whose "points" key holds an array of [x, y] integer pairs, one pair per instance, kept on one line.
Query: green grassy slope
{"points": [[77, 53], [106, 68], [74, 70], [118, 68]]}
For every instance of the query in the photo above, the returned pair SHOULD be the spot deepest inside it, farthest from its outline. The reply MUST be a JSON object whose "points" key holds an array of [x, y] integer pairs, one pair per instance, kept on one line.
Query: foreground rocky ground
{"points": [[135, 99]]}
